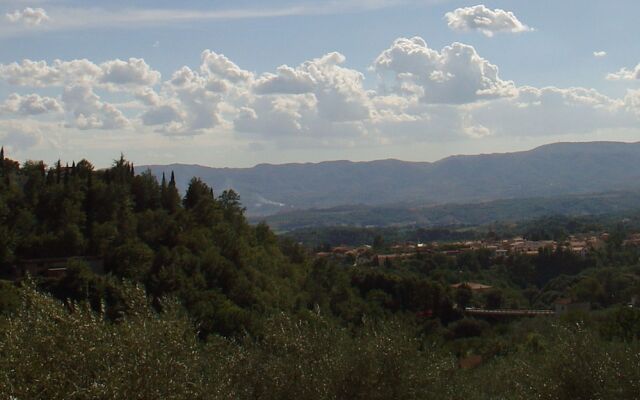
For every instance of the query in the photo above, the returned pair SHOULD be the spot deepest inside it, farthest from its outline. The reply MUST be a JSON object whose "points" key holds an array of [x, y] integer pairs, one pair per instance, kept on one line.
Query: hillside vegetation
{"points": [[458, 215], [194, 302]]}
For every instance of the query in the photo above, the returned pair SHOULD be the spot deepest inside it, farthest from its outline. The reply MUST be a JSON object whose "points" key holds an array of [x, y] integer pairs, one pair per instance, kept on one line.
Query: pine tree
{"points": [[197, 192], [2, 161]]}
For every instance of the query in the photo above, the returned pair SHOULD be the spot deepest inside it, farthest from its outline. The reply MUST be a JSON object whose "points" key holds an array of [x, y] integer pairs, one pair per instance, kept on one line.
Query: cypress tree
{"points": [[58, 171], [66, 174], [3, 172], [163, 192], [170, 195], [2, 161]]}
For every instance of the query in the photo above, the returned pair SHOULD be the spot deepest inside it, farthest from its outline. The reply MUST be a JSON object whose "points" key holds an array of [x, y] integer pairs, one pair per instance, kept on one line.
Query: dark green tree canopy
{"points": [[196, 192]]}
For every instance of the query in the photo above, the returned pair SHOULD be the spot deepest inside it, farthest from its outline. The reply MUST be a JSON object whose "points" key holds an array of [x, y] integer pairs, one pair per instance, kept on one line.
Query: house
{"points": [[403, 248], [531, 247], [582, 251], [474, 286], [501, 252], [54, 266], [566, 305], [341, 250], [633, 240]]}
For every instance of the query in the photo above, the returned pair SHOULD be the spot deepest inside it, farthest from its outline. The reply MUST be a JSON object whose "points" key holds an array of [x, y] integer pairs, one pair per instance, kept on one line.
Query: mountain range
{"points": [[547, 171]]}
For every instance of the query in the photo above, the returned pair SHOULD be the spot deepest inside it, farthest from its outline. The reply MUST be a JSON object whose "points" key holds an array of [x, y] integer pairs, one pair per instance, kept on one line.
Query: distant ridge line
{"points": [[545, 171]]}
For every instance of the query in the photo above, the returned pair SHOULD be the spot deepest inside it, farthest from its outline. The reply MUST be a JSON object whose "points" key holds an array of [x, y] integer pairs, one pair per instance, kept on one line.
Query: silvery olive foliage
{"points": [[55, 350]]}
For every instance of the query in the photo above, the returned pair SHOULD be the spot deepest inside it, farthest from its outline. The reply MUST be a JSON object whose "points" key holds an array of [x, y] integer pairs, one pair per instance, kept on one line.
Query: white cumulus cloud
{"points": [[454, 75], [552, 111], [599, 54], [89, 112], [632, 101], [134, 71], [317, 96], [482, 19], [114, 74], [219, 66], [32, 104], [625, 74], [420, 94], [28, 16]]}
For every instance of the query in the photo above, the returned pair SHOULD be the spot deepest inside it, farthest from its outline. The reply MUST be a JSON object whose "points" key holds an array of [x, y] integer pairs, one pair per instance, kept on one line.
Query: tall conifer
{"points": [[171, 197], [66, 174], [2, 161], [58, 171]]}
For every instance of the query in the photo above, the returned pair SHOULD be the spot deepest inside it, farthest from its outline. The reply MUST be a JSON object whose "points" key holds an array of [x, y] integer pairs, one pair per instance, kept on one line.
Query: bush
{"points": [[48, 352], [466, 328]]}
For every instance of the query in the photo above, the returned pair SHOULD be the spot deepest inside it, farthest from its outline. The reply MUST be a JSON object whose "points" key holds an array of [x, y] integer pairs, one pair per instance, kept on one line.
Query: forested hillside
{"points": [[116, 286], [230, 276], [199, 248], [458, 215]]}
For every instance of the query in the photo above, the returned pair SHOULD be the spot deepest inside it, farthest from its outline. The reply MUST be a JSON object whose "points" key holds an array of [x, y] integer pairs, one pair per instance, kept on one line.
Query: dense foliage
{"points": [[46, 351], [194, 302], [199, 248]]}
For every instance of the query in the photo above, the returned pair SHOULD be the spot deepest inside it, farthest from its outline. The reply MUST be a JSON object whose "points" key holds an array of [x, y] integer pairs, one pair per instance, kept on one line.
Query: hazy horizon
{"points": [[242, 83], [115, 157]]}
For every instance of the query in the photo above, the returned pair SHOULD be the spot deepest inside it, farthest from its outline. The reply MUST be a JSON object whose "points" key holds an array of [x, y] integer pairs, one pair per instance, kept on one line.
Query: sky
{"points": [[237, 83]]}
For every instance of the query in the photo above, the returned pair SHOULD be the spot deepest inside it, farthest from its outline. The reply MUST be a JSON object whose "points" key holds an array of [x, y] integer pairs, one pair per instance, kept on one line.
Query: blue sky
{"points": [[365, 79]]}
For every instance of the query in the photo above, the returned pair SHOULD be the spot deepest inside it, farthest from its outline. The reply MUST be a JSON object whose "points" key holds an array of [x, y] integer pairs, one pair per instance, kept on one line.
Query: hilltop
{"points": [[546, 171]]}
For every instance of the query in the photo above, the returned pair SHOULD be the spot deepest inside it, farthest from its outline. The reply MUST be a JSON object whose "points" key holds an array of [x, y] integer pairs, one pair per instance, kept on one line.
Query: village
{"points": [[581, 245], [392, 255]]}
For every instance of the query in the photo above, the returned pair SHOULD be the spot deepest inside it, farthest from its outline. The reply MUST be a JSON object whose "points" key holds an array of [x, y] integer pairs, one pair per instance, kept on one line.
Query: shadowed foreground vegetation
{"points": [[56, 351]]}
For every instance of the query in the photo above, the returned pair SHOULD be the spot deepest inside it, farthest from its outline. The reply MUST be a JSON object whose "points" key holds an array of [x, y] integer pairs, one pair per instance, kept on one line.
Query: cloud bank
{"points": [[420, 95]]}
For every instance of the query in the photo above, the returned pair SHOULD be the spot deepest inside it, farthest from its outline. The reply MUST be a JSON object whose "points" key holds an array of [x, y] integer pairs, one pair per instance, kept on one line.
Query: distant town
{"points": [[580, 244]]}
